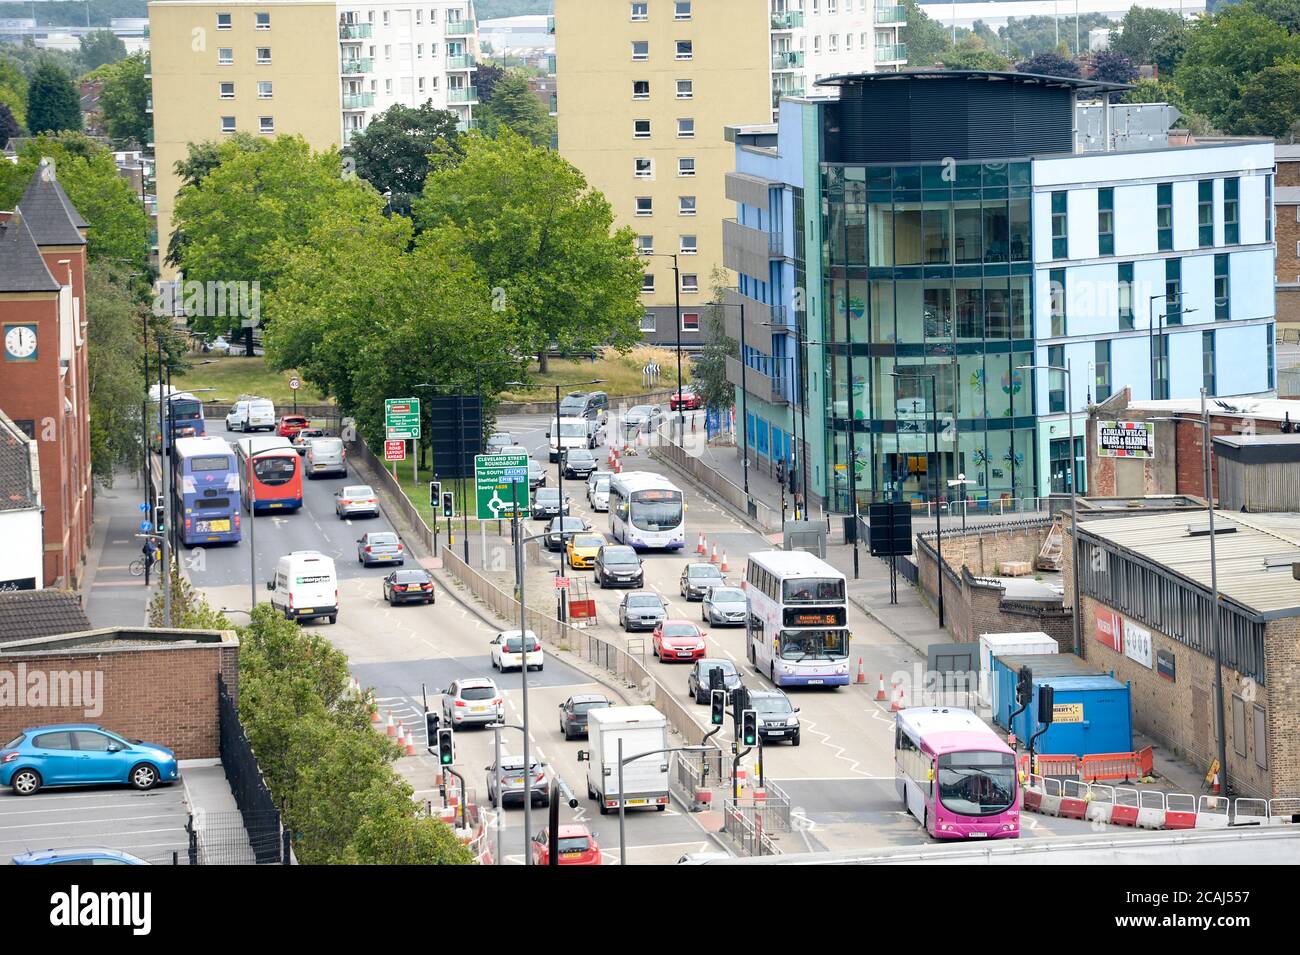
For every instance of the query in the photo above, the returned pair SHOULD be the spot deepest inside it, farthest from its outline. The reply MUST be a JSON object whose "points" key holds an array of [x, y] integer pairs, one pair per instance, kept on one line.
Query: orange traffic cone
{"points": [[897, 703], [723, 568], [880, 693], [862, 674], [391, 728], [699, 548], [713, 558], [1215, 788], [410, 743]]}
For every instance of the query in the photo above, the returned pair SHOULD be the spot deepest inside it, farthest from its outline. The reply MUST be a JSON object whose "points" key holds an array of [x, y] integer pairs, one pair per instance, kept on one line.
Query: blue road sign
{"points": [[146, 526], [514, 475], [143, 507]]}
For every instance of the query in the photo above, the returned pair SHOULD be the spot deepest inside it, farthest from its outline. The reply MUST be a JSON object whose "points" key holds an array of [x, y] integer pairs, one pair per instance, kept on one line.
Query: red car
{"points": [[576, 844], [688, 399], [679, 640], [291, 424]]}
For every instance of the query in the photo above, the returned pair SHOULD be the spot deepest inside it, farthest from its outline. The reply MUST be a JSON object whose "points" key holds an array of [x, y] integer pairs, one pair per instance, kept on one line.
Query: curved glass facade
{"points": [[927, 272]]}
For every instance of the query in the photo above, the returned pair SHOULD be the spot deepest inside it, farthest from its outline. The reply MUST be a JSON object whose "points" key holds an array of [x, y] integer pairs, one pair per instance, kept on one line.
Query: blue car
{"points": [[82, 754], [86, 856]]}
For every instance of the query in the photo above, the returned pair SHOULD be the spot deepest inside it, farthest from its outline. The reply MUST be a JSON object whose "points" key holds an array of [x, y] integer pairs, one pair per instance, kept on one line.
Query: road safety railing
{"points": [[1152, 808], [747, 832], [715, 482], [393, 495], [1093, 767]]}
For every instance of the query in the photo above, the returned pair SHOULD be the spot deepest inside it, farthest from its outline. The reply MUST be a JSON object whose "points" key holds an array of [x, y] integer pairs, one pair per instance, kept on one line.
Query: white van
{"points": [[573, 433], [251, 414], [305, 586]]}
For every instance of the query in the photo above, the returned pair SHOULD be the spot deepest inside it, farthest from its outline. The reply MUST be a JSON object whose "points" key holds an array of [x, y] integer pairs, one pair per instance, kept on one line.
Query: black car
{"points": [[546, 503], [536, 475], [408, 586], [698, 578], [618, 565], [562, 528], [778, 718], [574, 710], [697, 684], [579, 463]]}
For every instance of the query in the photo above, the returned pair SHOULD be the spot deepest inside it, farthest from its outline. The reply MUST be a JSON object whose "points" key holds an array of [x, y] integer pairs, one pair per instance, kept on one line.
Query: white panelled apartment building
{"points": [[812, 39]]}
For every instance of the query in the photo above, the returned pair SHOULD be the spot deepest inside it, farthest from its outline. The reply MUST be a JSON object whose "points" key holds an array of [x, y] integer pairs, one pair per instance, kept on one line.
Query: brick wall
{"points": [[161, 694], [1287, 234], [1282, 667]]}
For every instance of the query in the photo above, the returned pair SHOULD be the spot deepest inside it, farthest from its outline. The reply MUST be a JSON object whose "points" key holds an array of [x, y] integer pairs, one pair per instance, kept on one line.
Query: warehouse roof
{"points": [[1253, 558]]}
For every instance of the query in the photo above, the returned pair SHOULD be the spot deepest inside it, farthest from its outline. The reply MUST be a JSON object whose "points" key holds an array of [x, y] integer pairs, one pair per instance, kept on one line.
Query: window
{"points": [[1207, 361], [261, 21], [686, 166], [685, 49], [266, 124], [640, 49], [640, 89], [264, 90], [817, 42], [1101, 370], [227, 124], [690, 282], [834, 43], [686, 129], [640, 11], [1056, 293], [1106, 221], [644, 206], [647, 322], [1268, 209], [1164, 216], [682, 10], [690, 321], [645, 244], [643, 168], [419, 51], [647, 283], [419, 84], [263, 55], [225, 55], [1221, 292], [1124, 294], [1259, 724], [685, 89], [385, 18], [227, 90], [1160, 387], [1231, 230], [848, 43], [388, 87], [1173, 291], [223, 21], [686, 205], [1205, 213], [1059, 222], [641, 128], [690, 245], [388, 51], [419, 17], [1269, 345], [1056, 379]]}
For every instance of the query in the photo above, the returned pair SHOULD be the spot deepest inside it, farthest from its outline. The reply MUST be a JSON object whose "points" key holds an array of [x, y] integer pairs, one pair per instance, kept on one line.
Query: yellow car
{"points": [[581, 549]]}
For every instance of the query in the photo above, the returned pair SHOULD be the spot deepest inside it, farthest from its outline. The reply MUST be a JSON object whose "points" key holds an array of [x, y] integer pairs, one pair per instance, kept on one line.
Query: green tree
{"points": [[52, 101], [486, 78], [100, 47], [113, 362], [201, 159], [1111, 66], [1270, 102], [970, 53], [927, 40], [29, 57], [542, 238], [394, 152], [1150, 36], [13, 89], [514, 106], [125, 99], [709, 372], [1049, 64], [9, 127], [1284, 12]]}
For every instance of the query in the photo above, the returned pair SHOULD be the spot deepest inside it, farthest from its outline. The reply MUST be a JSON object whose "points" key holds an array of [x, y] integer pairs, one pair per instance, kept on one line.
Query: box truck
{"points": [[642, 729]]}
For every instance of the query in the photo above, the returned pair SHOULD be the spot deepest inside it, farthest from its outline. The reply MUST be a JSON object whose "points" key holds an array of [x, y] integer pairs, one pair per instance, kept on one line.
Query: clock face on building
{"points": [[20, 342]]}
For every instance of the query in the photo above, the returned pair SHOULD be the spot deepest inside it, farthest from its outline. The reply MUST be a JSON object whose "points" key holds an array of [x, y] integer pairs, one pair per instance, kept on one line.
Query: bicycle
{"points": [[137, 567]]}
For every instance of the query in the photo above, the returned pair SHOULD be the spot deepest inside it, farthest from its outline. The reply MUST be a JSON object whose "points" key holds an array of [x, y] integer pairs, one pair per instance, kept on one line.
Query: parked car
{"points": [[303, 438], [574, 842], [641, 610], [536, 474], [698, 578], [778, 718], [561, 529], [218, 346], [687, 398], [619, 564], [409, 586], [574, 710], [291, 424], [697, 684], [585, 404], [251, 414], [509, 779], [546, 503], [508, 651], [678, 640], [643, 419], [82, 754], [498, 442], [579, 463], [90, 855], [325, 456], [473, 699], [724, 605], [356, 500], [581, 550], [380, 547]]}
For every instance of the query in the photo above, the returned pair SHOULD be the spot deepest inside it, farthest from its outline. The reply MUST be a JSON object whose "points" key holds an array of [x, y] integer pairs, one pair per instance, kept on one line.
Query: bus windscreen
{"points": [[813, 590], [977, 783], [814, 644], [216, 462]]}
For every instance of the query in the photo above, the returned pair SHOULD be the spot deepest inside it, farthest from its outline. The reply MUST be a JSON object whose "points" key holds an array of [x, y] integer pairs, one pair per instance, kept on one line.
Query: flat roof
{"points": [[1025, 79], [1240, 556], [1274, 409]]}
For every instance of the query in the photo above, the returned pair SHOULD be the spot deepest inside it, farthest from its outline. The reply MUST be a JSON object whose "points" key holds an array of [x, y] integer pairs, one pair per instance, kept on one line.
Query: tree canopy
{"points": [[393, 152], [514, 106], [53, 103], [125, 100], [101, 47]]}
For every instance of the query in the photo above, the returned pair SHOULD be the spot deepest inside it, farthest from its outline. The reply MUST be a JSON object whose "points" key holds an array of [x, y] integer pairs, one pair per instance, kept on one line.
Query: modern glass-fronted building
{"points": [[928, 235]]}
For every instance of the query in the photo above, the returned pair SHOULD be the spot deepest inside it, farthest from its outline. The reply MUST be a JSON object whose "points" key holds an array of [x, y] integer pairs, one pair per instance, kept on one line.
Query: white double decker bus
{"points": [[646, 511], [797, 632]]}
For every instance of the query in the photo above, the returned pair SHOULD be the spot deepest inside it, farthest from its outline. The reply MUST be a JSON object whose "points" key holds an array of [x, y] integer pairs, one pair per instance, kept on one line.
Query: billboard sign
{"points": [[1126, 439]]}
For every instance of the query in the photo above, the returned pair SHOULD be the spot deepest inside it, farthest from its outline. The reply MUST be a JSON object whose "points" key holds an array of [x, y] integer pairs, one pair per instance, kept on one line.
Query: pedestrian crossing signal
{"points": [[718, 706], [435, 493], [448, 505]]}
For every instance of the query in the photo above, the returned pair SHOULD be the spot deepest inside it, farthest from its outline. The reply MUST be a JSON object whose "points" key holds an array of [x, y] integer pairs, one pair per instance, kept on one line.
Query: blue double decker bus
{"points": [[183, 414], [206, 491]]}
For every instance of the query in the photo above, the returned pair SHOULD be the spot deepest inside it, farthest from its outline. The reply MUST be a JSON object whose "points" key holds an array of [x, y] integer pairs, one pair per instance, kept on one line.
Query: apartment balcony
{"points": [[352, 67], [788, 90], [749, 250], [461, 61], [465, 125], [893, 53], [787, 60], [148, 103], [459, 27], [358, 100], [462, 94], [356, 31], [550, 25], [759, 317], [756, 383], [550, 64], [787, 21], [891, 14]]}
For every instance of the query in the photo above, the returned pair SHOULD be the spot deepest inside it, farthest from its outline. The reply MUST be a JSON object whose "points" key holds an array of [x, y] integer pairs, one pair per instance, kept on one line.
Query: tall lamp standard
{"points": [[1074, 487], [744, 404], [1152, 337], [1203, 422], [934, 427], [677, 306]]}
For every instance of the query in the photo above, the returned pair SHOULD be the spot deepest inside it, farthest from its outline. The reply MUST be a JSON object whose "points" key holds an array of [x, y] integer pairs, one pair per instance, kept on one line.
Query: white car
{"points": [[474, 699], [598, 493], [643, 419], [507, 651], [219, 346]]}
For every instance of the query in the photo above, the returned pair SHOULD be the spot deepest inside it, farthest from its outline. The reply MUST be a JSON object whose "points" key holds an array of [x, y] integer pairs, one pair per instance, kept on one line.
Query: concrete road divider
{"points": [[1125, 812], [1151, 809], [1180, 811]]}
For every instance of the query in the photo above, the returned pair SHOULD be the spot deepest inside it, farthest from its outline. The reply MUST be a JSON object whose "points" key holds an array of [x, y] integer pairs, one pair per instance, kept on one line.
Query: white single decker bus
{"points": [[797, 632], [646, 511]]}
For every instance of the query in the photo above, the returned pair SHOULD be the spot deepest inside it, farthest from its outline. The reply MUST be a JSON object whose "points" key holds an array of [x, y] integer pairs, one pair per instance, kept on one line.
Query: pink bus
{"points": [[955, 775]]}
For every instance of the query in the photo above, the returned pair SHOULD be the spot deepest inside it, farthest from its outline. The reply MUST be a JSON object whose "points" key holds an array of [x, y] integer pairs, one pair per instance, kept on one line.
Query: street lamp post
{"points": [[1077, 622], [677, 306], [1153, 335], [938, 512], [796, 375], [961, 482], [744, 404]]}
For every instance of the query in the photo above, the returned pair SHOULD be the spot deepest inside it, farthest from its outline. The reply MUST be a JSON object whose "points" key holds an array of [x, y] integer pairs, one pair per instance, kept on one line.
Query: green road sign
{"points": [[494, 475], [402, 418]]}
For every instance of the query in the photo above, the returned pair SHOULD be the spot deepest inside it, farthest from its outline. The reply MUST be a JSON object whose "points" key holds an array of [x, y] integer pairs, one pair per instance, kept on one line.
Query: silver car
{"points": [[356, 500], [498, 442], [380, 547], [510, 780], [598, 492], [641, 610], [643, 419], [724, 605], [325, 456], [475, 700]]}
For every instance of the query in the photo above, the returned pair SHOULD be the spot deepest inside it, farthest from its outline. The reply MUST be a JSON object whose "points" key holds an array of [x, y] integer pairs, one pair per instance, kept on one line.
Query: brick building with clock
{"points": [[44, 385]]}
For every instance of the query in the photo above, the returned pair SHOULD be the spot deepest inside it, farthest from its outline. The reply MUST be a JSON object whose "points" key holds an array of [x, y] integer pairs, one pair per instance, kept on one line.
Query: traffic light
{"points": [[716, 680], [435, 493], [749, 727], [448, 504], [430, 725], [1024, 686], [1045, 709], [446, 747], [717, 706], [159, 519]]}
